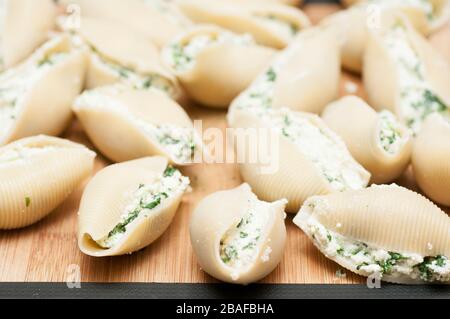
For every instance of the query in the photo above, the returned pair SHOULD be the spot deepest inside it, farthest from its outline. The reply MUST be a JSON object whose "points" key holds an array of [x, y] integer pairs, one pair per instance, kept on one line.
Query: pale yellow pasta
{"points": [[127, 206], [36, 175], [236, 237], [125, 124], [430, 159], [36, 96], [414, 80], [386, 232], [24, 26], [378, 141], [202, 58], [270, 24]]}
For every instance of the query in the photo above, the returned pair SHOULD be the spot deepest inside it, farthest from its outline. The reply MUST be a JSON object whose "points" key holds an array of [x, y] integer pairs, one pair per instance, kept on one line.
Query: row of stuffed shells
{"points": [[304, 77], [125, 123], [271, 24], [127, 206], [378, 141], [28, 104], [36, 175], [415, 80], [128, 57], [387, 231], [236, 237], [427, 15], [214, 65], [19, 39]]}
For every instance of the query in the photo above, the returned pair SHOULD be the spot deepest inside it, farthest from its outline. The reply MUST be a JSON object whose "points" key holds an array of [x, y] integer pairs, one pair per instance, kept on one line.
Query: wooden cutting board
{"points": [[48, 250]]}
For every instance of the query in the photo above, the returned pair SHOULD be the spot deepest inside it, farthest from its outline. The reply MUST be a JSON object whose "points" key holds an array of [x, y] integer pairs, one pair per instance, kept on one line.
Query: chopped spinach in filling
{"points": [[146, 198], [391, 133]]}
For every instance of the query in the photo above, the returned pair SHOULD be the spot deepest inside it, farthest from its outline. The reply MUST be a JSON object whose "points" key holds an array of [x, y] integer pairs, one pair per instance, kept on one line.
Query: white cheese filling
{"points": [[391, 134], [417, 97], [20, 154], [279, 25], [369, 260], [145, 200], [425, 5], [182, 57]]}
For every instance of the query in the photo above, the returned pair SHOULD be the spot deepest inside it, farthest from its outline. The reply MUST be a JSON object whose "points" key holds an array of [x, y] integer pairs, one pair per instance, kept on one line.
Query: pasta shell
{"points": [[414, 81], [270, 24], [127, 206], [304, 159], [126, 124], [28, 104], [36, 175], [288, 2], [236, 237], [377, 141], [304, 77], [157, 20], [20, 39], [430, 159], [201, 59], [385, 230]]}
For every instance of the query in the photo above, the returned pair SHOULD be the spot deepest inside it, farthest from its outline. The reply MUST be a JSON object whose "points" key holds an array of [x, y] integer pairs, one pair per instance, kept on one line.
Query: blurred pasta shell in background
{"points": [[215, 65], [113, 206], [229, 224], [430, 159], [30, 105], [270, 24], [126, 124], [390, 225], [295, 169], [159, 21], [377, 141], [288, 2], [36, 175], [25, 26]]}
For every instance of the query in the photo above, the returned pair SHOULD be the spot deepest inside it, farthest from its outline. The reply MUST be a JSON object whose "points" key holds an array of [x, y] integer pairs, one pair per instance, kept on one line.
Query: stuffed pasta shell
{"points": [[270, 24], [28, 103], [127, 206], [36, 175], [414, 82], [430, 159], [24, 26], [125, 124], [288, 2], [386, 231], [157, 20], [378, 141], [306, 158], [236, 237], [214, 65], [304, 77]]}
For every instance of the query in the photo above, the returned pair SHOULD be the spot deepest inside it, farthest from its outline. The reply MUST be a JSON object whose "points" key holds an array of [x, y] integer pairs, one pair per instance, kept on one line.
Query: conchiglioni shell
{"points": [[242, 18], [141, 16], [290, 174], [25, 27], [42, 110], [105, 199], [358, 125], [383, 88], [108, 120], [430, 159], [288, 2], [391, 218], [221, 70], [214, 216], [126, 48], [32, 187], [310, 72]]}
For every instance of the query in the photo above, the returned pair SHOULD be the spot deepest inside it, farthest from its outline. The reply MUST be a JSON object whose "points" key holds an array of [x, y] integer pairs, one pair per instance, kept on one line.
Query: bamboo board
{"points": [[47, 251]]}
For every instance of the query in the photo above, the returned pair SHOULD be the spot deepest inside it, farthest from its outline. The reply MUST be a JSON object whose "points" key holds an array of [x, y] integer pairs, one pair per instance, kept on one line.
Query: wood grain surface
{"points": [[47, 250]]}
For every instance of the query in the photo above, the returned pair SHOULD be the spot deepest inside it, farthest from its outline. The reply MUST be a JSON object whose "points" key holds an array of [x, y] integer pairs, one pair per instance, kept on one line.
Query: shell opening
{"points": [[425, 6], [391, 133], [279, 24], [20, 154]]}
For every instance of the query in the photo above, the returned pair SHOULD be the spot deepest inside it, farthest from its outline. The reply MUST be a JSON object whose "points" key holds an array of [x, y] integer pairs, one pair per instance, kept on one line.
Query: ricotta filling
{"points": [[425, 5], [368, 260], [417, 97], [391, 134], [20, 154], [145, 200], [279, 25], [240, 245], [182, 56]]}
